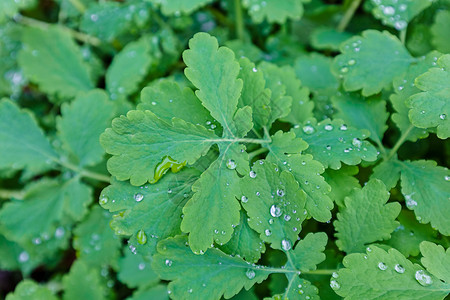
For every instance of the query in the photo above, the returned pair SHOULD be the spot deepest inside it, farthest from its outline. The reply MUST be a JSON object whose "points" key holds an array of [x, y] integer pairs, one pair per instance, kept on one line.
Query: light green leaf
{"points": [[404, 87], [314, 70], [427, 191], [431, 108], [245, 49], [274, 203], [366, 217], [23, 142], [45, 205], [214, 72], [397, 13], [385, 275], [175, 7], [65, 73], [168, 100], [328, 38], [9, 8], [254, 93], [308, 253], [284, 151], [407, 237], [153, 209], [95, 242], [342, 182], [83, 282], [29, 290], [436, 260], [363, 113], [203, 276], [275, 11], [151, 139], [439, 31], [298, 288], [82, 122], [245, 242], [128, 68], [370, 62], [388, 171], [333, 142], [154, 292], [135, 270]]}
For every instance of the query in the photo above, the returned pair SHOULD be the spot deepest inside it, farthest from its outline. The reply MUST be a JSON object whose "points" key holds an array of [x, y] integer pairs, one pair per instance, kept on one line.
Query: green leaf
{"points": [[387, 275], [95, 242], [404, 87], [284, 152], [151, 139], [342, 182], [65, 73], [298, 288], [45, 205], [388, 171], [275, 11], [154, 210], [332, 142], [325, 38], [254, 93], [30, 290], [207, 276], [407, 237], [135, 270], [245, 242], [426, 190], [439, 31], [308, 253], [370, 62], [175, 7], [314, 70], [274, 203], [363, 114], [9, 8], [82, 282], [23, 142], [168, 100], [431, 108], [214, 72], [366, 217], [128, 68], [155, 292], [82, 122], [397, 13], [436, 260]]}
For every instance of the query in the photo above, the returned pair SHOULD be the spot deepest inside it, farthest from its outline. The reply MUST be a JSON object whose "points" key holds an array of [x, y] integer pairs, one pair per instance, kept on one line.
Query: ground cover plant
{"points": [[245, 149]]}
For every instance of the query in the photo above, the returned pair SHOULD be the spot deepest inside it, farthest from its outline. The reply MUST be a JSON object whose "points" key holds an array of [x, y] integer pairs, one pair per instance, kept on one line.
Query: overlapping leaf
{"points": [[30, 290], [275, 11], [83, 282], [176, 7], [439, 31]]}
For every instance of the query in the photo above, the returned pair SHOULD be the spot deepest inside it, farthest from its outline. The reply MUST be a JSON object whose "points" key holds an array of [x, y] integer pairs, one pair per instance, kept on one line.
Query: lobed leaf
{"points": [[275, 11], [30, 290], [82, 282]]}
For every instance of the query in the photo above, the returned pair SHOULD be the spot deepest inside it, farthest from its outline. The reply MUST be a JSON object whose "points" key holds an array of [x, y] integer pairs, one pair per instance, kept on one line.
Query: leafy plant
{"points": [[234, 154]]}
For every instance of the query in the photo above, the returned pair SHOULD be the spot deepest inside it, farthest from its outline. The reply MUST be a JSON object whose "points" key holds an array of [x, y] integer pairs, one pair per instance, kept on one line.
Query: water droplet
{"points": [[399, 269], [410, 203], [275, 211], [402, 7], [168, 262], [286, 245], [335, 275], [169, 191], [400, 25], [344, 70], [280, 192], [250, 274], [347, 150], [94, 18], [368, 249], [190, 291], [343, 127], [308, 129], [59, 232], [103, 200], [244, 199], [267, 232], [252, 174], [255, 69], [287, 217], [24, 256], [328, 147], [138, 197], [351, 62], [442, 117], [382, 266], [257, 193], [231, 164], [388, 10], [447, 178], [141, 237], [335, 285], [423, 278], [356, 142], [328, 127]]}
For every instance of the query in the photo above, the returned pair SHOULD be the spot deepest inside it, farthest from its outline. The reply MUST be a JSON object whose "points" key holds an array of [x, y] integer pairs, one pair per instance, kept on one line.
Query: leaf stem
{"points": [[403, 36], [257, 152], [78, 5], [399, 142], [85, 38], [348, 15], [83, 172], [321, 272], [8, 194], [239, 20]]}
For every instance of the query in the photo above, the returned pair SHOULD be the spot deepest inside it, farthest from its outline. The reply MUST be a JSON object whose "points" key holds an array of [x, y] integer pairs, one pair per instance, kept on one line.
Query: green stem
{"points": [[321, 272], [239, 20], [43, 25], [240, 140], [84, 173], [348, 15], [78, 5], [257, 152], [8, 194], [403, 36], [400, 142]]}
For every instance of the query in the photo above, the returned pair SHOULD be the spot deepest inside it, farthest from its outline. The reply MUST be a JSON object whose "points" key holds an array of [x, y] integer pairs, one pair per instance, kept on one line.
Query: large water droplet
{"points": [[356, 142], [343, 127], [275, 211], [399, 269], [24, 257], [103, 200], [168, 262], [388, 10], [250, 274], [138, 197], [252, 174], [442, 116], [280, 192], [382, 266], [328, 127], [308, 129], [244, 199], [423, 278], [141, 237], [335, 285], [267, 232], [231, 164], [286, 245]]}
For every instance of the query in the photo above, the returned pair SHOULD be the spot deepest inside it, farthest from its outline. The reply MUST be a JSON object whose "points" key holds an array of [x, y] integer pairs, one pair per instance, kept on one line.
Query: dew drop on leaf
{"points": [[280, 192], [328, 127], [382, 266], [252, 174], [250, 274], [442, 117], [399, 269], [356, 142], [231, 164], [138, 197], [141, 266], [308, 129], [103, 200], [423, 278], [275, 211], [244, 199], [287, 217], [267, 232], [168, 262], [141, 237], [335, 285], [286, 245]]}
